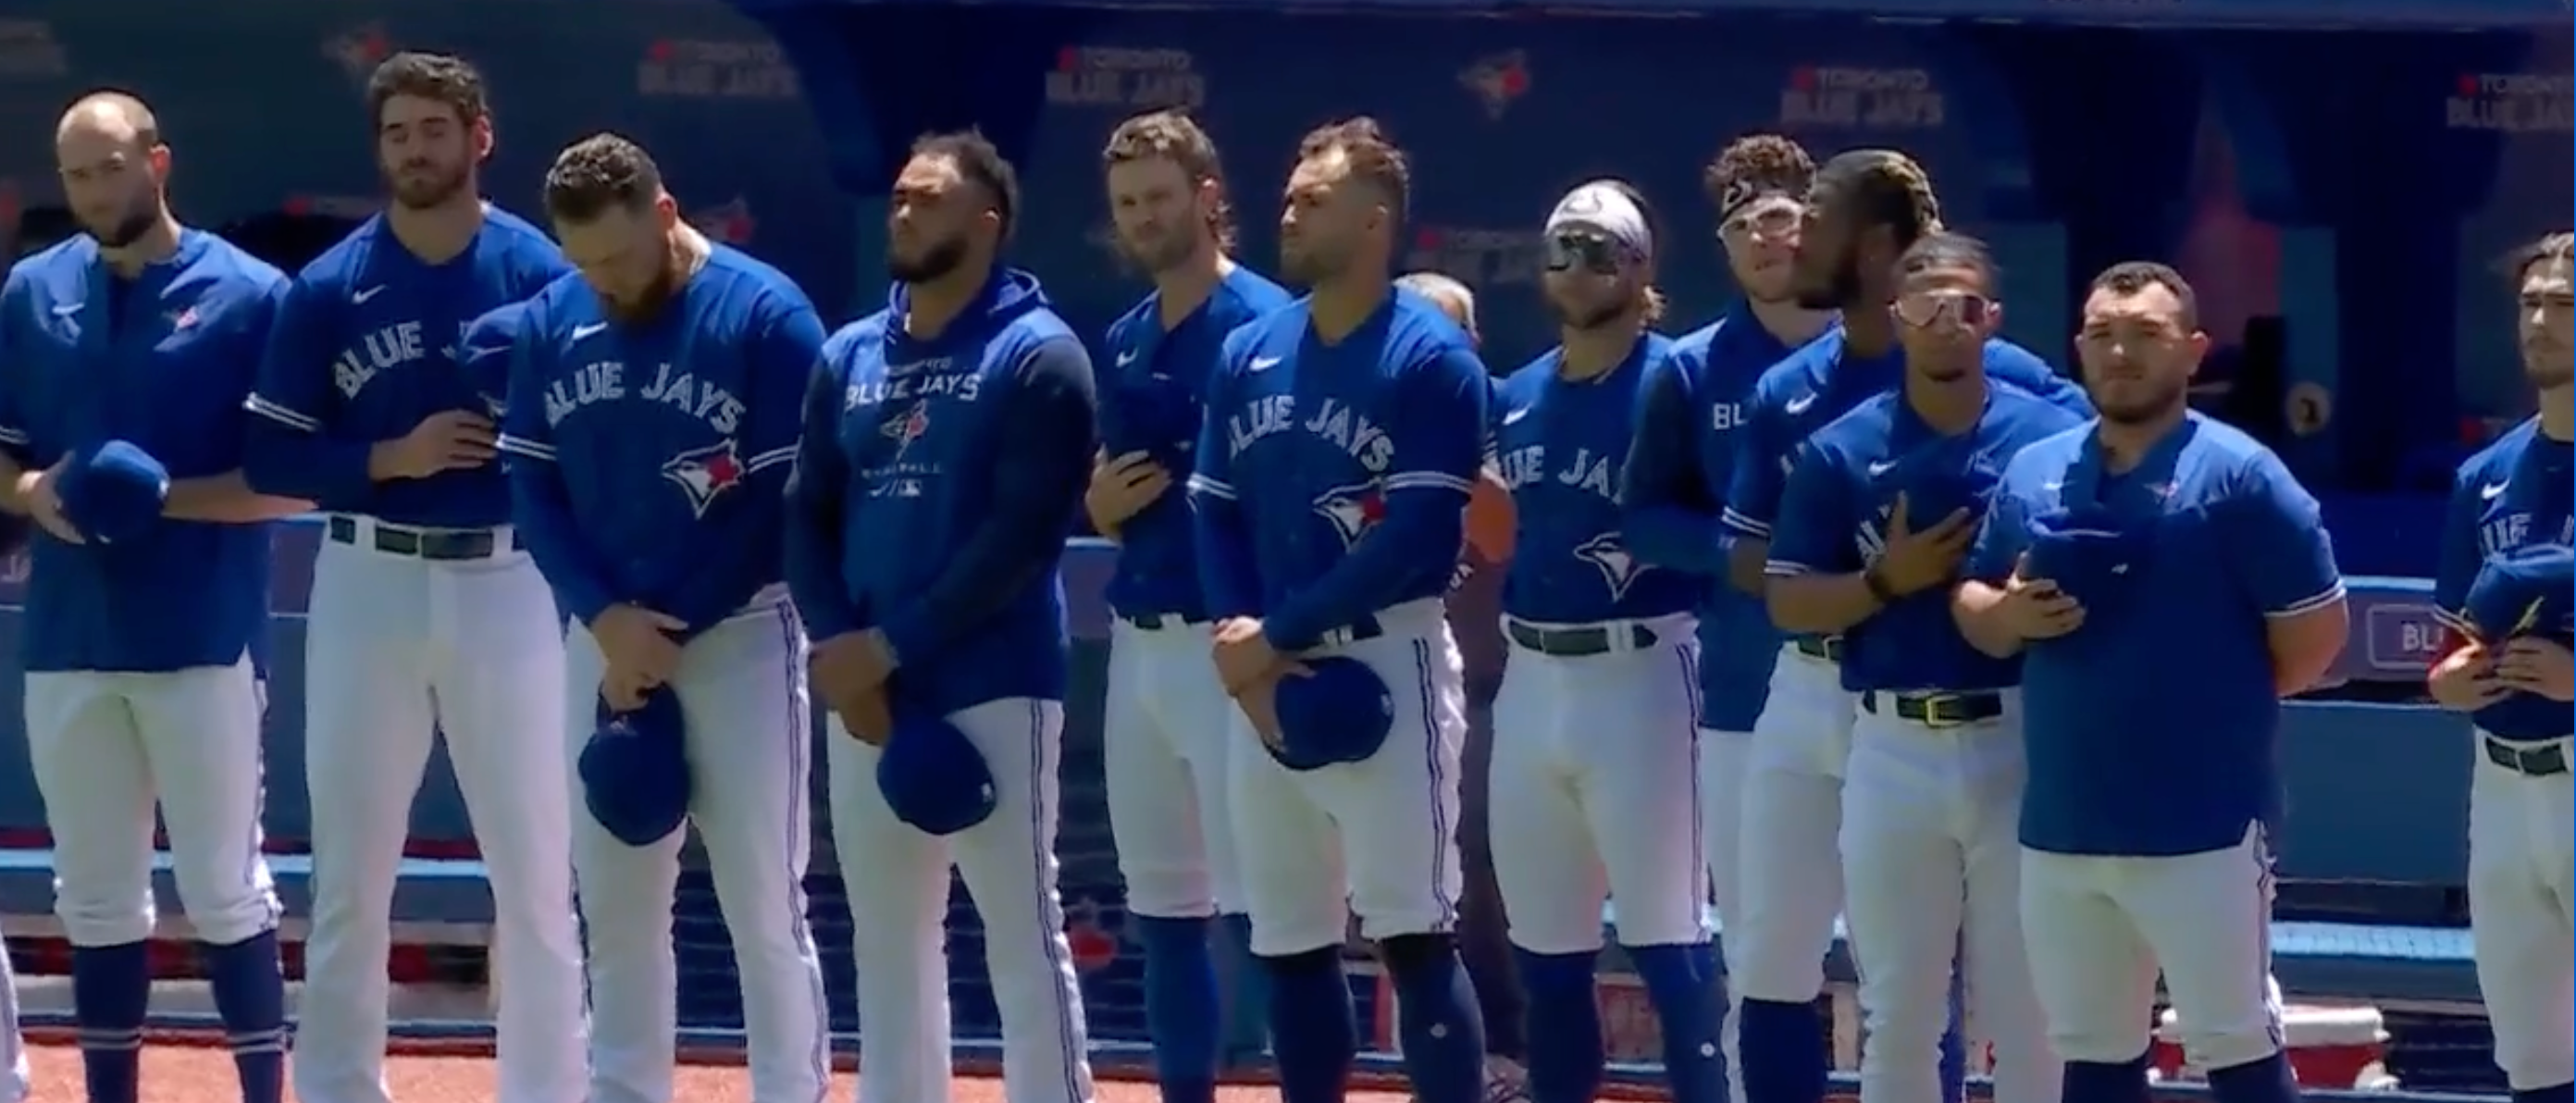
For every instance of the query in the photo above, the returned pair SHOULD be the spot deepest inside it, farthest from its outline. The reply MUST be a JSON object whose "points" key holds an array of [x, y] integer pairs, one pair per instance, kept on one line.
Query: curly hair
{"points": [[1374, 158], [1883, 187], [445, 79], [1756, 163], [598, 173], [1173, 136]]}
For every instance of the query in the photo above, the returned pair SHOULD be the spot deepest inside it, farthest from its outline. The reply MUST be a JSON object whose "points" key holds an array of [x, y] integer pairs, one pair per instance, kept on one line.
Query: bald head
{"points": [[108, 148]]}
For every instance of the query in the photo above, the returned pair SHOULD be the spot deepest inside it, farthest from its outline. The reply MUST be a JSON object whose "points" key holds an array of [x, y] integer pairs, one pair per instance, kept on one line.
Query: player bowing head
{"points": [[1759, 185], [2140, 343], [433, 129], [619, 226], [1593, 630], [1945, 307]]}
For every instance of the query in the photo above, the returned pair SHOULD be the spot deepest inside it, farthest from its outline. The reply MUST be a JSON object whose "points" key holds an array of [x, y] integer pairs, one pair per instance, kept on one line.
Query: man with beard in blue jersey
{"points": [[131, 347], [947, 442], [2510, 675], [428, 616], [2188, 550], [1344, 437], [1866, 209], [1882, 506], [1674, 484], [1596, 730], [652, 415], [1169, 726]]}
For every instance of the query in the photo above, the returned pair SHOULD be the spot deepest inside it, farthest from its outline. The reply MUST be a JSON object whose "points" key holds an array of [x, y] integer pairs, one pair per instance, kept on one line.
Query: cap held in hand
{"points": [[635, 770], [932, 776], [1337, 711], [113, 492]]}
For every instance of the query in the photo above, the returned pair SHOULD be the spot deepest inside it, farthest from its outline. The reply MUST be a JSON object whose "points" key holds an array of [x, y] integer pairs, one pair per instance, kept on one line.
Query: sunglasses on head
{"points": [[1964, 308], [1583, 251]]}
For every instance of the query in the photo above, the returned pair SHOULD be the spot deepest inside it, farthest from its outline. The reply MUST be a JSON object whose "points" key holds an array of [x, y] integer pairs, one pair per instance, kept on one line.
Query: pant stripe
{"points": [[1688, 654], [1441, 840], [1050, 910], [252, 859], [2262, 933], [800, 837]]}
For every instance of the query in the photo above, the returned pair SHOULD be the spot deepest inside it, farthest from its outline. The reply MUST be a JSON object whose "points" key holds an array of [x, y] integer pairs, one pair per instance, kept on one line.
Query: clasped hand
{"points": [[2479, 675], [850, 672], [641, 652], [2035, 609], [1250, 670]]}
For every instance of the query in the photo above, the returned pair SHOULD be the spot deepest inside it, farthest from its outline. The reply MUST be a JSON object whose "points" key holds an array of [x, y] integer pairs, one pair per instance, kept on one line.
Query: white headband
{"points": [[1604, 207]]}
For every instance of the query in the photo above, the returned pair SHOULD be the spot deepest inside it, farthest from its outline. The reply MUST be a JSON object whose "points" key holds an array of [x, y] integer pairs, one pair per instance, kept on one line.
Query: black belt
{"points": [[2529, 760], [1828, 648], [1939, 710], [1156, 622], [1575, 643], [440, 544]]}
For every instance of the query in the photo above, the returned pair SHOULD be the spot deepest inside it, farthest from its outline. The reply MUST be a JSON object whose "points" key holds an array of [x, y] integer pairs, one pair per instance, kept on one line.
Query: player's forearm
{"points": [[1975, 609], [1224, 550], [293, 463], [14, 483], [1818, 604], [227, 499], [1392, 557], [1746, 561], [1678, 539], [2304, 646]]}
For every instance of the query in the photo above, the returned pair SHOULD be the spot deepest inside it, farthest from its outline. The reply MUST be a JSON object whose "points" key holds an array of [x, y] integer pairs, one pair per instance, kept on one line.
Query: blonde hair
{"points": [[1447, 291], [1173, 136]]}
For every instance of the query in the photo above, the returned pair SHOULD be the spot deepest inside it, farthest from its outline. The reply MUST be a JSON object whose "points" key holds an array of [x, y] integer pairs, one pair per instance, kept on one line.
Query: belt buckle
{"points": [[1943, 711]]}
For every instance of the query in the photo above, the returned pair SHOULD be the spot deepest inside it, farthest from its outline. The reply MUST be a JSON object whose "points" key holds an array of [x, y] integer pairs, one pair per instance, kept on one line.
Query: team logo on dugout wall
{"points": [[1847, 97], [1124, 79], [2516, 103], [705, 69], [358, 50], [728, 224], [29, 51], [1498, 81]]}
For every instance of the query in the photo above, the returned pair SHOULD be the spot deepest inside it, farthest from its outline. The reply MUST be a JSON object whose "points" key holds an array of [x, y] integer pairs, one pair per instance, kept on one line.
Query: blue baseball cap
{"points": [[635, 770], [113, 492], [931, 774], [1340, 711], [2524, 592], [2089, 556]]}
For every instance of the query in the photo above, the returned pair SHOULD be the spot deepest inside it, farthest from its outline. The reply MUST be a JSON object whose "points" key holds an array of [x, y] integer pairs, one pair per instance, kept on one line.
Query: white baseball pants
{"points": [[1789, 878], [2522, 915], [1168, 728]]}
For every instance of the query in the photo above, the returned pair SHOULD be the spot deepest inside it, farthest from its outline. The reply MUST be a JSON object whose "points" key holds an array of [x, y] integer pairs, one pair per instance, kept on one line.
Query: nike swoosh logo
{"points": [[1265, 363], [361, 296], [66, 310], [585, 332], [2491, 491], [2051, 488], [1799, 404], [1514, 417], [1126, 358], [472, 355], [1881, 467]]}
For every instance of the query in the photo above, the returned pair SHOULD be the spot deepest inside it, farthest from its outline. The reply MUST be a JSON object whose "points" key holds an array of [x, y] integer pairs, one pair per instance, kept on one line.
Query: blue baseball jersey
{"points": [[367, 348], [936, 483], [1559, 445], [648, 459], [1822, 381], [1690, 407], [2153, 729], [2515, 492], [1333, 479], [1152, 400], [163, 361], [1835, 513]]}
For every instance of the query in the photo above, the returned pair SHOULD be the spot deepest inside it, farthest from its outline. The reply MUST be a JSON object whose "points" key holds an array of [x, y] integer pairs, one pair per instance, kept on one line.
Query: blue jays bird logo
{"points": [[1498, 81], [1352, 510], [705, 473], [912, 426], [1618, 566]]}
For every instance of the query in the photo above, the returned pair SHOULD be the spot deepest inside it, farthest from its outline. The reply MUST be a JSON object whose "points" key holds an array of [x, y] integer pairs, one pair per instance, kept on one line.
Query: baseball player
{"points": [[1865, 209], [960, 417], [1343, 439], [1168, 725], [134, 345], [13, 1045], [1872, 526], [2186, 548], [2511, 677], [651, 419], [1594, 740], [1690, 406], [427, 613]]}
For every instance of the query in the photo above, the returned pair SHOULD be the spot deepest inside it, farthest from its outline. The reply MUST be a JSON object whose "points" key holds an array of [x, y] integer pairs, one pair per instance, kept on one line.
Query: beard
{"points": [[128, 227], [1837, 292], [648, 303], [940, 259], [2547, 368], [420, 192], [1159, 257], [1312, 264], [1583, 319]]}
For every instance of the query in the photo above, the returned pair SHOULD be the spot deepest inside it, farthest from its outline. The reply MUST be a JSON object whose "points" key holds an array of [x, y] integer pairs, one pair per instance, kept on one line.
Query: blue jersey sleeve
{"points": [[1816, 517], [1669, 515], [1227, 574], [2016, 365], [2003, 534], [815, 511], [483, 352], [1441, 407], [13, 424], [541, 505], [1761, 471], [294, 450], [1052, 422], [785, 346], [2278, 547], [2456, 569], [239, 372]]}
